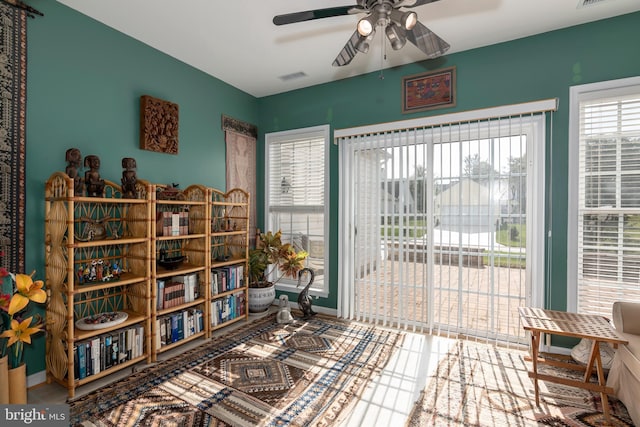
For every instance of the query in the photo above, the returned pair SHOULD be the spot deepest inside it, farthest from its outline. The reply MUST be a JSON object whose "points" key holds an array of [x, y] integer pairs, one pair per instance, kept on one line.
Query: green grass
{"points": [[506, 260], [504, 236], [414, 228]]}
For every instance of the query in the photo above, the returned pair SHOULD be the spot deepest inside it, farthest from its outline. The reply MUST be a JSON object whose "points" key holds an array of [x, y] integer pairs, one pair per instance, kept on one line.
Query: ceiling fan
{"points": [[399, 26]]}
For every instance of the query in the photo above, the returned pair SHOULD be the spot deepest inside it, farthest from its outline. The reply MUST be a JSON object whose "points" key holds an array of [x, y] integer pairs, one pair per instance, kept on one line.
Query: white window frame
{"points": [[320, 287], [577, 94]]}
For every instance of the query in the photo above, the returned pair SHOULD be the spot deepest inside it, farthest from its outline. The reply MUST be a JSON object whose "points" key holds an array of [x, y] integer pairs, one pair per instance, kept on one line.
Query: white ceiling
{"points": [[236, 41]]}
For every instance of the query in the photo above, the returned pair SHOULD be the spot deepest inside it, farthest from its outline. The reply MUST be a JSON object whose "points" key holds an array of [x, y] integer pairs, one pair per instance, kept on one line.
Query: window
{"points": [[296, 185], [604, 248]]}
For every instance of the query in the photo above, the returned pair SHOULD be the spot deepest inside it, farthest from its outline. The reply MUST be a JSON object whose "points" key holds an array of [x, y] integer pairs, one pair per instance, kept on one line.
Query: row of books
{"points": [[228, 278], [176, 290], [172, 224], [178, 326], [102, 352], [228, 308]]}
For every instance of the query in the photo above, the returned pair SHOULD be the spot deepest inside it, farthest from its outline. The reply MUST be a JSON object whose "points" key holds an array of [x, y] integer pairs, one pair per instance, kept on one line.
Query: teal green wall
{"points": [[529, 69], [84, 82]]}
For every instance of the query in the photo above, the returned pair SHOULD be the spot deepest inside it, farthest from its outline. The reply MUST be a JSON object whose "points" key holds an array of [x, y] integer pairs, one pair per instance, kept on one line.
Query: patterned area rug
{"points": [[483, 385], [13, 90], [263, 374]]}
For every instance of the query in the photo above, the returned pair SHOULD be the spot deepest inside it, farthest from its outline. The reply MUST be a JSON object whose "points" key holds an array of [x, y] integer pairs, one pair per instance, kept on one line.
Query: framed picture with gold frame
{"points": [[428, 91]]}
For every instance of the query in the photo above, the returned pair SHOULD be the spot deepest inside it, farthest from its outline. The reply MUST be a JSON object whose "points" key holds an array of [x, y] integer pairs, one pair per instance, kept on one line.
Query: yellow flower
{"points": [[27, 290], [20, 331]]}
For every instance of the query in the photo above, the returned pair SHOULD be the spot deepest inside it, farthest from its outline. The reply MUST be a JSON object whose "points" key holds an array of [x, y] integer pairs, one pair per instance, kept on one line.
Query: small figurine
{"points": [[93, 271], [80, 274], [115, 269], [129, 178], [304, 300], [73, 158], [99, 270], [284, 311], [92, 180]]}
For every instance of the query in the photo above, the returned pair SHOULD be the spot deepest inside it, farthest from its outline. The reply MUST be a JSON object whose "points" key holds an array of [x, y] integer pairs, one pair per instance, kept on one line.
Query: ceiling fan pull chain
{"points": [[383, 55]]}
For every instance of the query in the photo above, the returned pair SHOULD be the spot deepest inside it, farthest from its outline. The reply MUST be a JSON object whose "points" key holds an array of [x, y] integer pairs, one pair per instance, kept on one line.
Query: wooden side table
{"points": [[584, 326]]}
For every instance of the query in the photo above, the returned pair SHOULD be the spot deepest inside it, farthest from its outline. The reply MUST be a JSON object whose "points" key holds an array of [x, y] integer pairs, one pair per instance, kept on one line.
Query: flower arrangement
{"points": [[16, 327], [270, 256]]}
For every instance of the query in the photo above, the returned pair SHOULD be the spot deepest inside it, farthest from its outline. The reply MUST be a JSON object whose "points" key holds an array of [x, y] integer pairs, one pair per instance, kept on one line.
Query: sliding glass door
{"points": [[437, 220]]}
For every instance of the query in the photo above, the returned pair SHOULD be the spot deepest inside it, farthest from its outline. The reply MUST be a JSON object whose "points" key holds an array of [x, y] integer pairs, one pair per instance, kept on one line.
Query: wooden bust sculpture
{"points": [[129, 178], [92, 180], [74, 158]]}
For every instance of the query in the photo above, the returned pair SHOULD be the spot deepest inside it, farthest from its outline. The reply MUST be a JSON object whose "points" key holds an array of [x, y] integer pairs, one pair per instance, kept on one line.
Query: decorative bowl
{"points": [[101, 320], [171, 263]]}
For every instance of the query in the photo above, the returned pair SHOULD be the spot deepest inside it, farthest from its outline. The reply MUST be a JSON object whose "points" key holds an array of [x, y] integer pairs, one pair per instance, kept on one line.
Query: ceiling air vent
{"points": [[587, 3], [292, 76]]}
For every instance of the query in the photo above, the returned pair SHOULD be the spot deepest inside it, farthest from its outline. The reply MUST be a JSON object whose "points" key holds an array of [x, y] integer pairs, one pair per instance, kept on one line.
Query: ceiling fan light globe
{"points": [[365, 26], [409, 20], [406, 20]]}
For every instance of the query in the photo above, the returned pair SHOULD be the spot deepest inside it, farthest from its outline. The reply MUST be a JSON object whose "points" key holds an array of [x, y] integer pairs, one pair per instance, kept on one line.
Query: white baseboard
{"points": [[37, 379]]}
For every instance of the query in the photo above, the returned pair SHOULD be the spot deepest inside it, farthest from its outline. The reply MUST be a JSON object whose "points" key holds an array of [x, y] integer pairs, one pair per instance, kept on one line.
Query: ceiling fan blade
{"points": [[427, 41], [308, 15], [348, 52], [415, 3]]}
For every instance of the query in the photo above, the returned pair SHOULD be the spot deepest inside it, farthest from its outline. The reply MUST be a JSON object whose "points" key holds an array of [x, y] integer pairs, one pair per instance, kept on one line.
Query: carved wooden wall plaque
{"points": [[158, 125]]}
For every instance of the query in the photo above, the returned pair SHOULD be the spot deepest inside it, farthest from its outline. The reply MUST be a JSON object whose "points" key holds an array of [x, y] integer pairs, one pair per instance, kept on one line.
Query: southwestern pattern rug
{"points": [[484, 385], [13, 91], [309, 373]]}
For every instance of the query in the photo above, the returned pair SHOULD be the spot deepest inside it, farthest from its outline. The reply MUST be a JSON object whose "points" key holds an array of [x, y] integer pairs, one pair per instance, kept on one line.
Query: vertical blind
{"points": [[421, 210], [608, 203]]}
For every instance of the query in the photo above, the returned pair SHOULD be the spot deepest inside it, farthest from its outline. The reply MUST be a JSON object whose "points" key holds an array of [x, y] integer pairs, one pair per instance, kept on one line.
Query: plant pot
{"points": [[260, 299], [18, 385], [4, 380]]}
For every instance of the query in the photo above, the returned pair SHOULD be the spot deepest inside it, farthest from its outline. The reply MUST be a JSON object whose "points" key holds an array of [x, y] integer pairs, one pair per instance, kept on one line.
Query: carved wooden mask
{"points": [[158, 125]]}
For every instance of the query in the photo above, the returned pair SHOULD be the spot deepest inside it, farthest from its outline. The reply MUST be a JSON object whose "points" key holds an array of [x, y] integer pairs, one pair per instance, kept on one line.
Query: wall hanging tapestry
{"points": [[240, 138], [483, 385], [302, 374], [13, 88]]}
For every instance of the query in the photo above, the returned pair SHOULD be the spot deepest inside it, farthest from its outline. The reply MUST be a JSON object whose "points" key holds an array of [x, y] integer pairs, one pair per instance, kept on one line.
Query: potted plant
{"points": [[269, 262], [18, 325]]}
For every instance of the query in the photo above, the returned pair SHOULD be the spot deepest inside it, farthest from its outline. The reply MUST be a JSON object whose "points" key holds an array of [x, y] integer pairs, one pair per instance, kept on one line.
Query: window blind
{"points": [[296, 187], [421, 211], [296, 174], [608, 202]]}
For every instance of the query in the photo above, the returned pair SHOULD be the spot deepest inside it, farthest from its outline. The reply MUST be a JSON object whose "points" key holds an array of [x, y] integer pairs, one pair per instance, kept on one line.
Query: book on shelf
{"points": [[227, 278], [214, 282], [95, 355], [190, 282], [105, 351], [228, 308], [160, 294], [172, 223], [81, 360], [173, 294], [175, 327], [183, 223]]}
